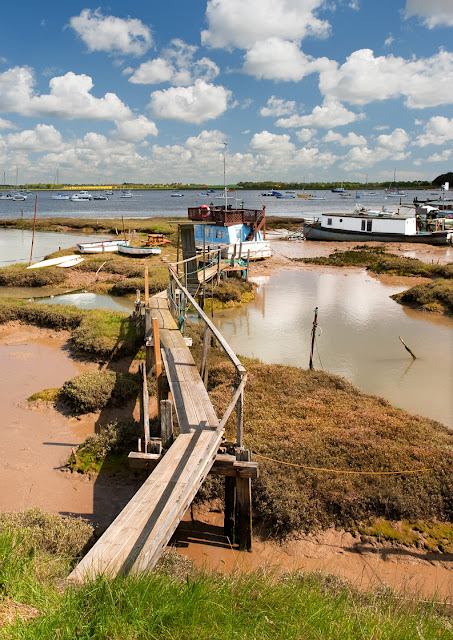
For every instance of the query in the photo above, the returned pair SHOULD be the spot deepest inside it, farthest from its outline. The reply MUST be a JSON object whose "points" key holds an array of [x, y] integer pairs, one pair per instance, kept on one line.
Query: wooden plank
{"points": [[224, 465]]}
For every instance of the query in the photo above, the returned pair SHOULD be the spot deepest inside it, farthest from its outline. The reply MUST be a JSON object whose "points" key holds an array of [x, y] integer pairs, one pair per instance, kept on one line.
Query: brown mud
{"points": [[36, 440]]}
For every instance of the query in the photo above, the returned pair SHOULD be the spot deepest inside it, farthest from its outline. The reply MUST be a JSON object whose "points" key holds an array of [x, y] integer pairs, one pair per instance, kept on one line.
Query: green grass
{"points": [[94, 390], [377, 260]]}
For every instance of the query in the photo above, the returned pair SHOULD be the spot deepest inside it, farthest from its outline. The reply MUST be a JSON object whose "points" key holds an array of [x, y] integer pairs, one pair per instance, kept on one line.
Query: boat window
{"points": [[238, 234], [363, 225], [369, 224], [219, 234], [329, 221]]}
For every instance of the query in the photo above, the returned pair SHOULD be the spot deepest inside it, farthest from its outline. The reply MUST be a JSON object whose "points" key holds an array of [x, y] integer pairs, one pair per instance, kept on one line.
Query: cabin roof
{"points": [[368, 215]]}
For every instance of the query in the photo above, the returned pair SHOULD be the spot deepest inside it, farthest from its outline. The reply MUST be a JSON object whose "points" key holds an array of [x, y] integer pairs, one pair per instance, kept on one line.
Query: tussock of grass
{"points": [[377, 260], [107, 449], [43, 315], [433, 296], [93, 390], [106, 334], [316, 419], [48, 532], [46, 395]]}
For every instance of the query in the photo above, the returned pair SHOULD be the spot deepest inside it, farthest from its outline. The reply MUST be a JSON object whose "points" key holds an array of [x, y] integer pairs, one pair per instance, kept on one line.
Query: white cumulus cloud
{"points": [[278, 107], [197, 103], [271, 143], [235, 23], [6, 124], [277, 59], [69, 98], [350, 140], [42, 138], [305, 135], [135, 129], [329, 114], [438, 130], [176, 65], [111, 34], [364, 78], [435, 13]]}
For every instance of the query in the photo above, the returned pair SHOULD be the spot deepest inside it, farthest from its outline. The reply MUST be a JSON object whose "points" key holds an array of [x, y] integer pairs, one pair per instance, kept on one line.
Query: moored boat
{"points": [[378, 226], [60, 196], [102, 246], [235, 231]]}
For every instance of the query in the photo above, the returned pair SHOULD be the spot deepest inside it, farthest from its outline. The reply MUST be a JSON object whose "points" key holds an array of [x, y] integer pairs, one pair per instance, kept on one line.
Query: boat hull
{"points": [[316, 232], [256, 249], [139, 252]]}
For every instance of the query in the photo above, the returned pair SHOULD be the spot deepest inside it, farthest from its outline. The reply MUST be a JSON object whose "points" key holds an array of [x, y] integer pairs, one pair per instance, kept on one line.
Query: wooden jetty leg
{"points": [[240, 415], [157, 360], [146, 288], [149, 342], [243, 507], [204, 355], [230, 508], [144, 404], [166, 423]]}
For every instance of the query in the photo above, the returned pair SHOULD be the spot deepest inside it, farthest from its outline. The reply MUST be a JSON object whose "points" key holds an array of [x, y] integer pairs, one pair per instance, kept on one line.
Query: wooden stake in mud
{"points": [[407, 348], [313, 336], [124, 230]]}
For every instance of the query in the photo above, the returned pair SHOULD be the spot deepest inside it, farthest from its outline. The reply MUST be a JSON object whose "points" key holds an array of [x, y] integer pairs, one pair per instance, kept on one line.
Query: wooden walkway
{"points": [[137, 537]]}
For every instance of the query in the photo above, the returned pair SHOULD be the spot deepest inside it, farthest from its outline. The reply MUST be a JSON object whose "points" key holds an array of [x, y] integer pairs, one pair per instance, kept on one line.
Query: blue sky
{"points": [[305, 90]]}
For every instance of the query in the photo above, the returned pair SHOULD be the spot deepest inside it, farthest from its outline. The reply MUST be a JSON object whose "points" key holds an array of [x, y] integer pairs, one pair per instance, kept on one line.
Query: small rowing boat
{"points": [[101, 246], [62, 261], [139, 252]]}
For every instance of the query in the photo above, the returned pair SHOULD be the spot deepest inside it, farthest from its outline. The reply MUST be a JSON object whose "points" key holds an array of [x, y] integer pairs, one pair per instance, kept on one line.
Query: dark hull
{"points": [[316, 232]]}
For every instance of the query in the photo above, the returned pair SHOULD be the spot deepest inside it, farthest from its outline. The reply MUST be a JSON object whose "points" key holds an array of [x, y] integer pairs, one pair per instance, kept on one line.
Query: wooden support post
{"points": [[157, 360], [243, 507], [240, 415], [144, 404], [177, 253], [166, 423], [218, 267], [240, 250], [204, 259], [230, 508], [233, 256], [204, 355], [138, 309], [146, 288], [248, 262]]}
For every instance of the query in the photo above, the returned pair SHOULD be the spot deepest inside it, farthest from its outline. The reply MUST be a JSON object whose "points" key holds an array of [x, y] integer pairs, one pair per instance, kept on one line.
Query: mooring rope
{"points": [[357, 473]]}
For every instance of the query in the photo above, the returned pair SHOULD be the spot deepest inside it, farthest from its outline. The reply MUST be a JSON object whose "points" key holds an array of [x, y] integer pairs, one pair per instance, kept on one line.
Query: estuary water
{"points": [[144, 204], [358, 336]]}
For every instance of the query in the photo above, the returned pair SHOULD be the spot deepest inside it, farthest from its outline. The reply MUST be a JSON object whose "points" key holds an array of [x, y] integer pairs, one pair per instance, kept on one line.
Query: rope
{"points": [[357, 473]]}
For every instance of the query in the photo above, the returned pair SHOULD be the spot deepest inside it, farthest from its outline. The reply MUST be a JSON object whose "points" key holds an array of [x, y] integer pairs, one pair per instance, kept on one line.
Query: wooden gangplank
{"points": [[137, 537]]}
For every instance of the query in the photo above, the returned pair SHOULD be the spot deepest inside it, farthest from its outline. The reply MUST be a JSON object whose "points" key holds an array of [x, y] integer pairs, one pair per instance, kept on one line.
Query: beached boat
{"points": [[378, 226], [57, 262], [138, 252], [102, 246], [238, 231]]}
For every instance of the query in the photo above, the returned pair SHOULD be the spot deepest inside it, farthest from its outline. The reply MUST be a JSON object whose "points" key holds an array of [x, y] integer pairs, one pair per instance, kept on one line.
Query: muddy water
{"points": [[35, 443], [358, 336]]}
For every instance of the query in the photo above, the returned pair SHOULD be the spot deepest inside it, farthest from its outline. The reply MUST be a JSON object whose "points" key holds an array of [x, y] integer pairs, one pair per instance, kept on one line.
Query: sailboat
{"points": [[393, 191]]}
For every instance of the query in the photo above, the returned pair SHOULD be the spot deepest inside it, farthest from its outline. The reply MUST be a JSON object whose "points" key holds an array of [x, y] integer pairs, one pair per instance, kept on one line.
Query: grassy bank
{"points": [[434, 296], [378, 260], [178, 602], [98, 333], [110, 226]]}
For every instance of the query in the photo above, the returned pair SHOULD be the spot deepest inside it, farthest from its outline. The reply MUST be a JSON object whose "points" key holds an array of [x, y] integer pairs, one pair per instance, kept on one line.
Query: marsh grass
{"points": [[434, 296], [436, 537], [316, 419], [94, 390], [99, 333], [377, 260]]}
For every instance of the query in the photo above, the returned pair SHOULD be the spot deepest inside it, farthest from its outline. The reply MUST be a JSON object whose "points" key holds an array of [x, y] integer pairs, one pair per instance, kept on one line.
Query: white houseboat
{"points": [[379, 226], [238, 231]]}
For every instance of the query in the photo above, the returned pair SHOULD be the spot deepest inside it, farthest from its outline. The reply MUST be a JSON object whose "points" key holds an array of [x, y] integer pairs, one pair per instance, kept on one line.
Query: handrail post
{"points": [[157, 360]]}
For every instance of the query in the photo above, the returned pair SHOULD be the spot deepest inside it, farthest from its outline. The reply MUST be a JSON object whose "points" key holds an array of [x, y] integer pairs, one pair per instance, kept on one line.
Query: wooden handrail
{"points": [[233, 402], [218, 336], [199, 255]]}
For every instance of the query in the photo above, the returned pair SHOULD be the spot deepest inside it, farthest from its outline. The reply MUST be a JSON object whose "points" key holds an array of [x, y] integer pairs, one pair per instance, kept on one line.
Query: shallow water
{"points": [[85, 300], [358, 336], [15, 244]]}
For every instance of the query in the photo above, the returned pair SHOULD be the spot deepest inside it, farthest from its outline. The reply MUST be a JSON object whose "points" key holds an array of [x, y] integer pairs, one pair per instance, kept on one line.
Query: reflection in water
{"points": [[86, 300], [358, 338]]}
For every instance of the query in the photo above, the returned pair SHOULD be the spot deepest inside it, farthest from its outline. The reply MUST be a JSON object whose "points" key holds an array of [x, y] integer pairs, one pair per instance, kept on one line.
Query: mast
{"points": [[225, 144]]}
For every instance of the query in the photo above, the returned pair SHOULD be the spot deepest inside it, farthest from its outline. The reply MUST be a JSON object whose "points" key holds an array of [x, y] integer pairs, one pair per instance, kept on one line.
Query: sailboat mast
{"points": [[224, 175]]}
